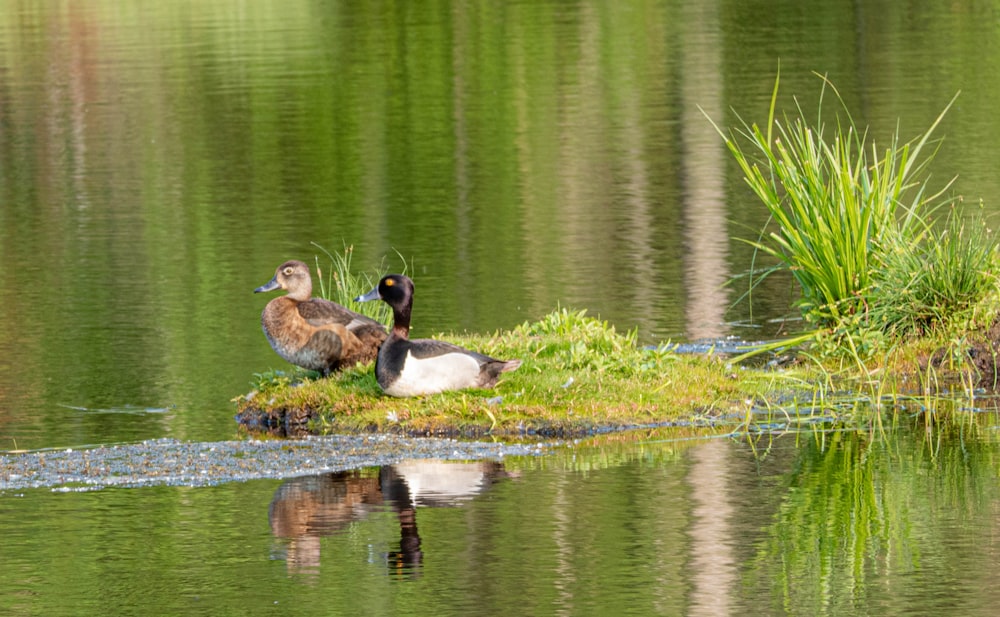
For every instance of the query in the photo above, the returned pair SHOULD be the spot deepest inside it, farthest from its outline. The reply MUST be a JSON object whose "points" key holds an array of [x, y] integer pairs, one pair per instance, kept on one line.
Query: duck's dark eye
{"points": [[288, 271]]}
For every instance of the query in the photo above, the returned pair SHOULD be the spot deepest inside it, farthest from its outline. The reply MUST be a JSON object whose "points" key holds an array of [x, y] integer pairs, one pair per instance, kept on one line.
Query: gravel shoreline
{"points": [[176, 463]]}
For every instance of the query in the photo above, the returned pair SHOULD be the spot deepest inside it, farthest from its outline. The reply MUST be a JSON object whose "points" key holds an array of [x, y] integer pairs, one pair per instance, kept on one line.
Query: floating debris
{"points": [[176, 463], [125, 409]]}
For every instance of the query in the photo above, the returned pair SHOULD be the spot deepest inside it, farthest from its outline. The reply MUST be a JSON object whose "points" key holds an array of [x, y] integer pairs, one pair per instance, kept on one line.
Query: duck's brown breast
{"points": [[283, 327], [314, 344]]}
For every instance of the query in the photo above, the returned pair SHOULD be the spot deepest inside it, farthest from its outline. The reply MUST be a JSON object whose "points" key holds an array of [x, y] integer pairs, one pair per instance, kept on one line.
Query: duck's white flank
{"points": [[451, 371]]}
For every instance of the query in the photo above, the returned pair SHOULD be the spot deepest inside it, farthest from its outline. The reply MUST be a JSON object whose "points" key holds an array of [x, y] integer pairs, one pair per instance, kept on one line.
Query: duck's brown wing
{"points": [[318, 313], [359, 336], [324, 351]]}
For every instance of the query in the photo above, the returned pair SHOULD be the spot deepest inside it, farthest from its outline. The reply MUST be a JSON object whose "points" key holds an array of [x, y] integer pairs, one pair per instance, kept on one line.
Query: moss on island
{"points": [[578, 375], [581, 376]]}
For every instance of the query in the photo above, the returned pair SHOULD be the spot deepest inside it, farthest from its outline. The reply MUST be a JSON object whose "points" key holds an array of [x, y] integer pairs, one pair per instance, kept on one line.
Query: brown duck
{"points": [[314, 333]]}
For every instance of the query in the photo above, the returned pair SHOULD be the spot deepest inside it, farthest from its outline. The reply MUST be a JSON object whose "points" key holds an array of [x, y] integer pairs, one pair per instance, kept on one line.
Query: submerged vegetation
{"points": [[899, 287]]}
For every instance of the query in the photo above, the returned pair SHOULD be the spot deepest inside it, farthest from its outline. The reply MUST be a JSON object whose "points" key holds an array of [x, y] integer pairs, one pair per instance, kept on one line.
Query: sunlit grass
{"points": [[835, 200], [856, 226], [578, 374], [340, 283]]}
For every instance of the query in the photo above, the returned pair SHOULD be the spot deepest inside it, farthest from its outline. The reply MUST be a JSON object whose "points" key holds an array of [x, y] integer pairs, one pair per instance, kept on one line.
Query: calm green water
{"points": [[639, 524], [159, 160]]}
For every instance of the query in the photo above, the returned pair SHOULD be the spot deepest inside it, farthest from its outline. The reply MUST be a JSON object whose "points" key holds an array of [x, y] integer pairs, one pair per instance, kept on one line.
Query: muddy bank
{"points": [[282, 422], [175, 463]]}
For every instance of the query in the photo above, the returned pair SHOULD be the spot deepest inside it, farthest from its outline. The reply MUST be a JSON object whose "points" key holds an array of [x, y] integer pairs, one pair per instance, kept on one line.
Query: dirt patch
{"points": [[981, 362], [984, 354]]}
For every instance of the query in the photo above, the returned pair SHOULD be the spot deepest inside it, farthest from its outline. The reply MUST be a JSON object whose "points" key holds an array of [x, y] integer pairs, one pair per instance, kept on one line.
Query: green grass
{"points": [[855, 225], [338, 282], [835, 200], [578, 374], [948, 279]]}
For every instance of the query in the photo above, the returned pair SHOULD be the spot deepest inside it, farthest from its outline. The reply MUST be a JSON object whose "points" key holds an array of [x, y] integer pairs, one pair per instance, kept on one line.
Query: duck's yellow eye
{"points": [[389, 282]]}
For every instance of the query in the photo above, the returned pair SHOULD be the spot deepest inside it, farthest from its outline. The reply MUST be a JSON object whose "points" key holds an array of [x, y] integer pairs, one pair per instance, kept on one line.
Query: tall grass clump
{"points": [[340, 284], [834, 199], [854, 225], [942, 281]]}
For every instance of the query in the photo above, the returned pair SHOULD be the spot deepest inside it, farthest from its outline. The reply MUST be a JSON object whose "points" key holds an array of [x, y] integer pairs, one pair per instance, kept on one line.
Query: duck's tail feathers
{"points": [[509, 365]]}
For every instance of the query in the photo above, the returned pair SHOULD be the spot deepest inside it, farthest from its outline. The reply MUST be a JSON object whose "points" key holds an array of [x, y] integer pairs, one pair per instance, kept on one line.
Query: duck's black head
{"points": [[395, 290]]}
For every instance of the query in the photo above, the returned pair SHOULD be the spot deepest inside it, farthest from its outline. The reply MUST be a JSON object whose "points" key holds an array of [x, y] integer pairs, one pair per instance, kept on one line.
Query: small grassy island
{"points": [[578, 375], [899, 288], [582, 376]]}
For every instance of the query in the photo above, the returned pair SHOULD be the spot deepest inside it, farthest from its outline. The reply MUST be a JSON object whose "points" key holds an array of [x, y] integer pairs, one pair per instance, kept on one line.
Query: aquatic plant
{"points": [[835, 201], [855, 226]]}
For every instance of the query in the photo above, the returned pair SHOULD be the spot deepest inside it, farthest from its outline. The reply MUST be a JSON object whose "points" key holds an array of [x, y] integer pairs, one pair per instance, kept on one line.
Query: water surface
{"points": [[642, 523], [157, 164], [158, 161]]}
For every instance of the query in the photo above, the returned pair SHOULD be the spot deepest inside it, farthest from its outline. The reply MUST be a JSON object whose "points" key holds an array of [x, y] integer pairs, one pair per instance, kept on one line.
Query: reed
{"points": [[857, 227], [339, 282], [835, 200]]}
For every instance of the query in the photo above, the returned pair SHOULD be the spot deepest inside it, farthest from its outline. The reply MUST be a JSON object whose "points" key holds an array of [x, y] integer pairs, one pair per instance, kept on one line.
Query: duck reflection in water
{"points": [[307, 508]]}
